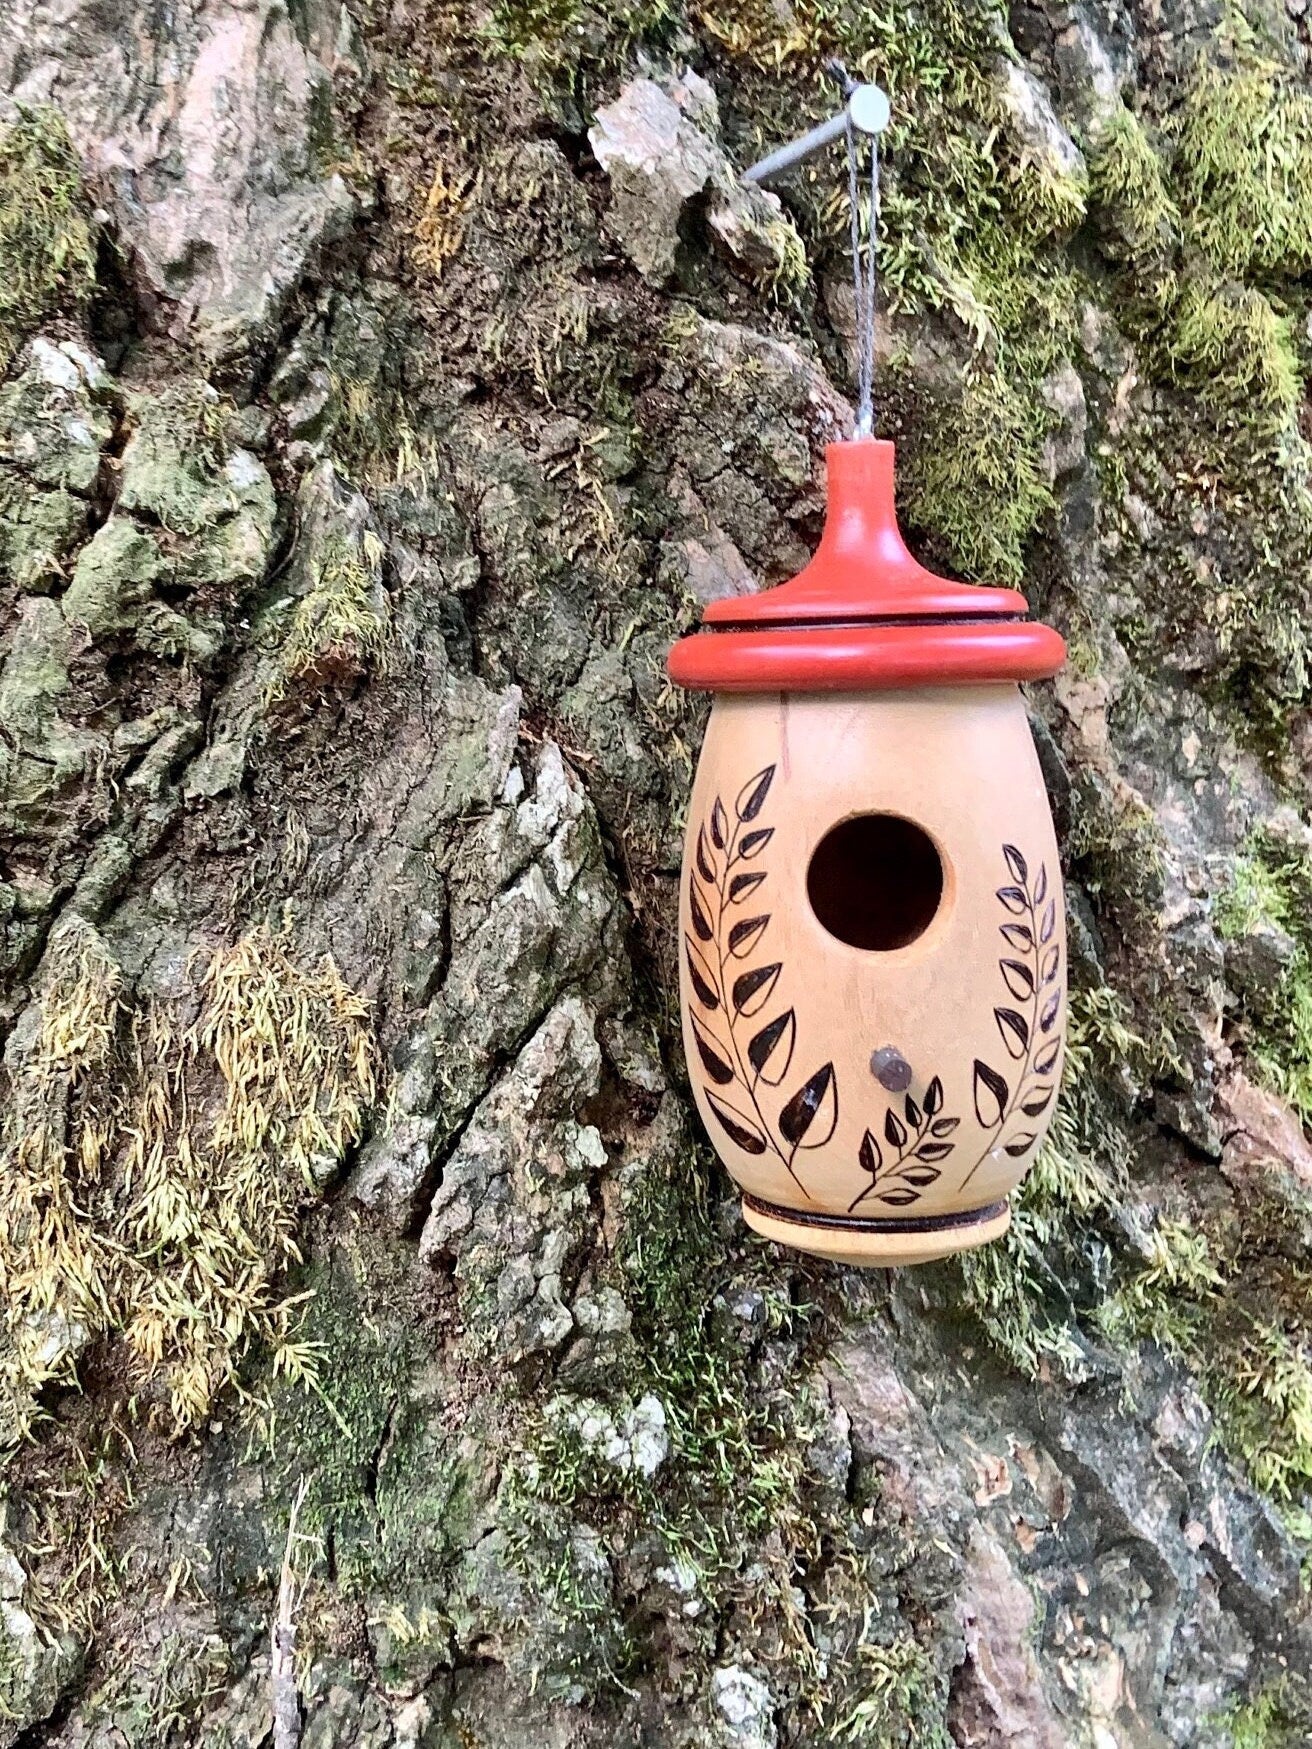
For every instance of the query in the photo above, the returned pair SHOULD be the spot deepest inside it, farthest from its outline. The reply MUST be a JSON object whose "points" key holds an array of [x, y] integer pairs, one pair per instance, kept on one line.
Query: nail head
{"points": [[891, 1069], [869, 109]]}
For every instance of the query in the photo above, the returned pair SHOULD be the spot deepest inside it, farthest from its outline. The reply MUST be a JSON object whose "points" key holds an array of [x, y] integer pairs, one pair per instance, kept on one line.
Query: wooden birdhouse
{"points": [[873, 956]]}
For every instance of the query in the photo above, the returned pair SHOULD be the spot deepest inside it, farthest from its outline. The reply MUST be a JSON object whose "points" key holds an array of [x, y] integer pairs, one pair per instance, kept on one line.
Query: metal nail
{"points": [[868, 109]]}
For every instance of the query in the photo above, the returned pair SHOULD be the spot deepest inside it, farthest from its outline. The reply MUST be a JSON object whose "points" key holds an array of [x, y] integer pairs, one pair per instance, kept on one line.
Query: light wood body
{"points": [[976, 1009]]}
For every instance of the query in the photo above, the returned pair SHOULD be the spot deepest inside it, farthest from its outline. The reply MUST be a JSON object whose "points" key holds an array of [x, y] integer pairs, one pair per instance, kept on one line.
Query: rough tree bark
{"points": [[386, 386]]}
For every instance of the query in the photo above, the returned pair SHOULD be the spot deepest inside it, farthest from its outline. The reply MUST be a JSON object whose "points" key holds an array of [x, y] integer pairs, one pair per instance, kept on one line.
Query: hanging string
{"points": [[864, 274]]}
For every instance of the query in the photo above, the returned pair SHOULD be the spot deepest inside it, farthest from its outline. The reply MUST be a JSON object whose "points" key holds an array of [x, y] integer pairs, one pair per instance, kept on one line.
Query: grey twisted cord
{"points": [[864, 278]]}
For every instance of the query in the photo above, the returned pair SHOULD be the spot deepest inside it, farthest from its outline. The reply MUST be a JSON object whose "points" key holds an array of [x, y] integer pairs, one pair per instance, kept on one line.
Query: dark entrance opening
{"points": [[876, 882]]}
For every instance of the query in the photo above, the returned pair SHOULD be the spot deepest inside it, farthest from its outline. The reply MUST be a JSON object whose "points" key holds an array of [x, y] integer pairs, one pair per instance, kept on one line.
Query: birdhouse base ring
{"points": [[871, 1243]]}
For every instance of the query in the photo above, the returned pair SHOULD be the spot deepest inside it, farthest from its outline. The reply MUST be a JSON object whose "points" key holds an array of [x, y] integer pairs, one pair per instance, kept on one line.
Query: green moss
{"points": [[1163, 1300], [1209, 257], [972, 225], [1221, 1296], [1280, 1717], [734, 1512], [1221, 527], [136, 1200], [734, 1461], [1263, 1401], [1115, 846], [37, 532], [1229, 1293], [557, 35], [976, 479], [730, 1491], [152, 1692], [515, 26], [1244, 141], [1129, 191], [331, 1433], [1018, 1288], [902, 1699], [1271, 887], [174, 467], [577, 1644], [1236, 350], [46, 239]]}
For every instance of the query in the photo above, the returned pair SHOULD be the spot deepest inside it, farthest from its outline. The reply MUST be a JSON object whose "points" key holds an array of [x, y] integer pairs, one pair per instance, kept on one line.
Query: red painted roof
{"points": [[864, 614]]}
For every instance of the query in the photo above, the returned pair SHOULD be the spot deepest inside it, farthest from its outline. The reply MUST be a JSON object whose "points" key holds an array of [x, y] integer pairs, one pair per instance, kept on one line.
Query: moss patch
{"points": [[46, 238], [1129, 190], [341, 623], [741, 1519], [973, 216], [1271, 890], [1025, 1290], [1236, 349], [1280, 1717], [153, 1176], [1219, 1294], [978, 483], [1241, 166], [734, 1458]]}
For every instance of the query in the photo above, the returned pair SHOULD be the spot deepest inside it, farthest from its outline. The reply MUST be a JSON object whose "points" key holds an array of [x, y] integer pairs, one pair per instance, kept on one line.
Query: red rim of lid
{"points": [[865, 614]]}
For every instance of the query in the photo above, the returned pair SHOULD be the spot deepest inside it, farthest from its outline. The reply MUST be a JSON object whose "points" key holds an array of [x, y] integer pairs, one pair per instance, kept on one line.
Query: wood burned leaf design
{"points": [[752, 990], [751, 797], [1030, 970], [870, 1157], [1018, 978], [739, 1128], [1046, 1060], [697, 912], [715, 1063], [700, 976], [901, 1176], [991, 1095], [811, 1115], [745, 1051], [744, 936], [742, 885], [1015, 1030], [770, 1051]]}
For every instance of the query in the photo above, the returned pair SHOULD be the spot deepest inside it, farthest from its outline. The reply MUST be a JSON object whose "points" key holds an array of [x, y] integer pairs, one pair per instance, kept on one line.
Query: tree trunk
{"points": [[387, 388]]}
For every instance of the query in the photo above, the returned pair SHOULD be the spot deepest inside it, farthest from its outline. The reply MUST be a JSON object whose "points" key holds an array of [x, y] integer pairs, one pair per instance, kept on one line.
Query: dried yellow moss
{"points": [[152, 1177], [440, 229]]}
